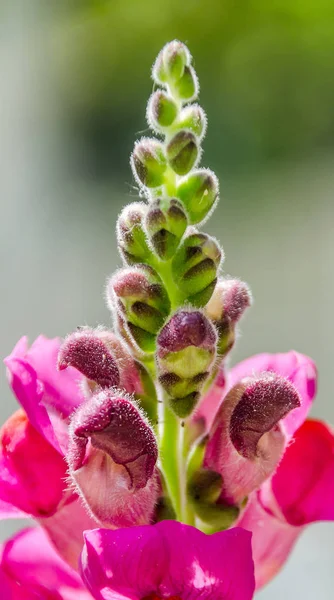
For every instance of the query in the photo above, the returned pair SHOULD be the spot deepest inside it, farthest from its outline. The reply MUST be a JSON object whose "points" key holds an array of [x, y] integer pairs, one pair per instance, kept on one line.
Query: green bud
{"points": [[195, 266], [203, 490], [186, 88], [131, 235], [148, 162], [186, 350], [161, 110], [194, 119], [182, 152], [141, 298], [171, 62], [165, 223], [198, 192]]}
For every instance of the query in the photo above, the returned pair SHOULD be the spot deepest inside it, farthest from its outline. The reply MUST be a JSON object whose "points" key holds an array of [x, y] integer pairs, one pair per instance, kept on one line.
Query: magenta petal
{"points": [[168, 559], [30, 568], [298, 368], [303, 486], [47, 395], [272, 539]]}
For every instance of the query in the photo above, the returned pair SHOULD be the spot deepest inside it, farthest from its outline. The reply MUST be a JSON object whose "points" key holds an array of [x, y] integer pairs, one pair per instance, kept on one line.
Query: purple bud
{"points": [[88, 353], [186, 328], [111, 457], [247, 441]]}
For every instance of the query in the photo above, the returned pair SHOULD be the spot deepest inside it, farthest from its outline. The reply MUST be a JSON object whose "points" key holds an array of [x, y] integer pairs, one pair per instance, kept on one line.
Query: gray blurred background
{"points": [[74, 86]]}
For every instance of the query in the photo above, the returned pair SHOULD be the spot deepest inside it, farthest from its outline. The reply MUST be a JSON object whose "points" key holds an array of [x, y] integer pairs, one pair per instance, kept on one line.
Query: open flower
{"points": [[30, 568], [300, 492], [168, 560]]}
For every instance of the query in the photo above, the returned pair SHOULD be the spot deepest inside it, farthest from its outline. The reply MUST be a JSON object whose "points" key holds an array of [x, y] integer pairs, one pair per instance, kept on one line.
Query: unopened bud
{"points": [[186, 88], [195, 267], [225, 308], [161, 110], [171, 62], [112, 456], [199, 193], [148, 162], [182, 152], [186, 351], [193, 118], [246, 441], [143, 300], [88, 353], [131, 236], [166, 223]]}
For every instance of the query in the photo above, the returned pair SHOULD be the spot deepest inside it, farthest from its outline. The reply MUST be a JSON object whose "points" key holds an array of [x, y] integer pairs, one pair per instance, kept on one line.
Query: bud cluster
{"points": [[136, 450]]}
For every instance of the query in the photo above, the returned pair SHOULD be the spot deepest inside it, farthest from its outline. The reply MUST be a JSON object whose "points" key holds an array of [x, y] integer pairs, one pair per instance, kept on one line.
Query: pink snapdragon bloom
{"points": [[30, 568], [168, 561], [35, 443], [300, 492]]}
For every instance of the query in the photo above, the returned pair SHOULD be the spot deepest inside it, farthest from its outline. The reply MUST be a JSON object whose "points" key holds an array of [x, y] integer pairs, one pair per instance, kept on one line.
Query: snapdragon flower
{"points": [[152, 469]]}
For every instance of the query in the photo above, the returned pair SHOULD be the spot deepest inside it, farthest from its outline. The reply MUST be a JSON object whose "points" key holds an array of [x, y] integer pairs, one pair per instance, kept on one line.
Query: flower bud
{"points": [[171, 62], [148, 162], [186, 88], [161, 110], [246, 441], [186, 351], [88, 353], [143, 300], [182, 152], [225, 308], [203, 491], [165, 223], [193, 118], [199, 193], [112, 456], [195, 266], [131, 236]]}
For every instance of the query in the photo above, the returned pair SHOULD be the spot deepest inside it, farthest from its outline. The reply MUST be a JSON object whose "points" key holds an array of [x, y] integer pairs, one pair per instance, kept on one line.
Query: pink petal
{"points": [[167, 560], [298, 368], [30, 568], [272, 539], [47, 396], [303, 485]]}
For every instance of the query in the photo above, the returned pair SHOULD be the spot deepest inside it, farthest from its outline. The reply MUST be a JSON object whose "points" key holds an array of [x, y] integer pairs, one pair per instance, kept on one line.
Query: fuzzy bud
{"points": [[193, 118], [111, 457], [225, 308], [203, 490], [195, 267], [88, 353], [131, 236], [246, 441], [199, 193], [161, 110], [182, 152], [186, 88], [165, 223], [143, 301], [186, 351], [148, 162], [171, 62]]}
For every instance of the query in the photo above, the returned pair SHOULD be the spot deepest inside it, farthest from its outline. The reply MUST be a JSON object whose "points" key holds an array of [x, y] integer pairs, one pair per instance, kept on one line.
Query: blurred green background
{"points": [[75, 81]]}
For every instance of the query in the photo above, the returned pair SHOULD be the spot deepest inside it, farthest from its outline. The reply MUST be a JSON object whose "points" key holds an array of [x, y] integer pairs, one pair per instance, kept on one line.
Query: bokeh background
{"points": [[74, 85]]}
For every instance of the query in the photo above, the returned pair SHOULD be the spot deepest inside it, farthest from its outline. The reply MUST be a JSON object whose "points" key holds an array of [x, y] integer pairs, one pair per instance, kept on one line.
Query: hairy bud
{"points": [[246, 441], [186, 351], [193, 118], [199, 193], [143, 300], [186, 88], [195, 267], [165, 223], [131, 236], [112, 456], [182, 152], [87, 352], [171, 62], [148, 162], [225, 308], [161, 110], [203, 490]]}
